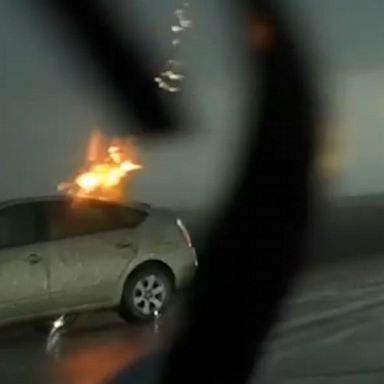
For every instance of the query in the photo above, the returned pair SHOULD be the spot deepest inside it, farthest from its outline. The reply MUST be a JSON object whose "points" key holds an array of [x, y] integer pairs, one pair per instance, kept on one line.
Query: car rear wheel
{"points": [[147, 291]]}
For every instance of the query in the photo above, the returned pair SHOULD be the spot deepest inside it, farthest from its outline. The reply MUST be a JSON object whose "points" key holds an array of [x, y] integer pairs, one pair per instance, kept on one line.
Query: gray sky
{"points": [[346, 36], [49, 102]]}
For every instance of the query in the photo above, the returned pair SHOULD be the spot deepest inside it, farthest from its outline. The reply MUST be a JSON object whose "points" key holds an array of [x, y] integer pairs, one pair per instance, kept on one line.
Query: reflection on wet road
{"points": [[88, 351], [331, 333]]}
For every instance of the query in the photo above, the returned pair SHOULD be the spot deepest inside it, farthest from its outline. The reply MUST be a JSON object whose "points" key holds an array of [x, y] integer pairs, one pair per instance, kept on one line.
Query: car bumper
{"points": [[187, 269]]}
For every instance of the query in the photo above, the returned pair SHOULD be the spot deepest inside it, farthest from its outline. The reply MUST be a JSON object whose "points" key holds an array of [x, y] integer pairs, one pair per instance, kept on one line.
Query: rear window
{"points": [[124, 217]]}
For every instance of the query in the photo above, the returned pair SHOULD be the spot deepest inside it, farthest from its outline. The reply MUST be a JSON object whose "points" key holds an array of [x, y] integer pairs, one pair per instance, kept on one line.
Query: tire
{"points": [[148, 289]]}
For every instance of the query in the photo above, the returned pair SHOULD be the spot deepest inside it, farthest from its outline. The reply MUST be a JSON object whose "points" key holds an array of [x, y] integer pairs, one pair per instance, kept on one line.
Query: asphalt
{"points": [[77, 350], [332, 331]]}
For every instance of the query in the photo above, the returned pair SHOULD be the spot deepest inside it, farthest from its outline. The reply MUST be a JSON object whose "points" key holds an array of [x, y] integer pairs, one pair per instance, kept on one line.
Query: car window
{"points": [[124, 217], [18, 225], [66, 219]]}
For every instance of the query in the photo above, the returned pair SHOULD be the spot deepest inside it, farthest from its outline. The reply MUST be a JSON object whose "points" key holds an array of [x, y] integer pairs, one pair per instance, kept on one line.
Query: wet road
{"points": [[85, 348], [332, 332], [333, 329]]}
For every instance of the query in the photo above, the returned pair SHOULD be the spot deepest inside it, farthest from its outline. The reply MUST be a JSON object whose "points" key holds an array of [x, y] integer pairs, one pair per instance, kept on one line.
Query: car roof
{"points": [[35, 199]]}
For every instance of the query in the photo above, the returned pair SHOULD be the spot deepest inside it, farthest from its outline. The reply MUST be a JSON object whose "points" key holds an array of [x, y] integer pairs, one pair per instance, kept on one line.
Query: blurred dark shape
{"points": [[120, 61], [146, 370], [259, 241]]}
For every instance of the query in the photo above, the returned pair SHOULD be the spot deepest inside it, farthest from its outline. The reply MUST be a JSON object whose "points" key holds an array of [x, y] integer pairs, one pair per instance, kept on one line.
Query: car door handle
{"points": [[124, 244], [33, 258]]}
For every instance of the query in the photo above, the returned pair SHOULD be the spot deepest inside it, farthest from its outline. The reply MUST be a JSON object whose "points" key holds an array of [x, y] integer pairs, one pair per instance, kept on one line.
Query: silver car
{"points": [[59, 255]]}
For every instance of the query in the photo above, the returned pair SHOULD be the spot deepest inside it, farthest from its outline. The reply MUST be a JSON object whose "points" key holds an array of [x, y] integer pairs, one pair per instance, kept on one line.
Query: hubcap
{"points": [[149, 295]]}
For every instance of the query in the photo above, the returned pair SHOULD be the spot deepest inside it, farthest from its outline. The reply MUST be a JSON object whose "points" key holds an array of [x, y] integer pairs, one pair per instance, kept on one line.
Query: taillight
{"points": [[185, 232]]}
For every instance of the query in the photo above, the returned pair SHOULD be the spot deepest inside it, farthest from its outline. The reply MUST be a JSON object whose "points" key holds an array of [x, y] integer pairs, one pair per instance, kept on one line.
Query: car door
{"points": [[91, 247], [23, 268]]}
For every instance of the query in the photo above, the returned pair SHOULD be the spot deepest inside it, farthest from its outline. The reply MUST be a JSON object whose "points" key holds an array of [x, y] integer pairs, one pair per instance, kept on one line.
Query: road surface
{"points": [[333, 327], [332, 332]]}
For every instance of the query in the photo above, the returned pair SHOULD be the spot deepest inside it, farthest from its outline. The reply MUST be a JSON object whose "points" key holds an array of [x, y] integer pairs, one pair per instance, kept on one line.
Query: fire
{"points": [[107, 168]]}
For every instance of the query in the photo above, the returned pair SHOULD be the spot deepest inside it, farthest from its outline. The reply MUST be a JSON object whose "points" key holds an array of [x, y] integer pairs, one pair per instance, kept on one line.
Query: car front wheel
{"points": [[147, 292]]}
